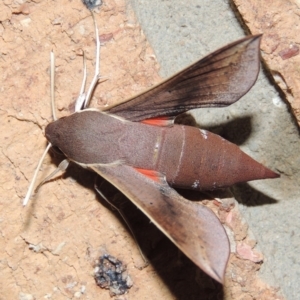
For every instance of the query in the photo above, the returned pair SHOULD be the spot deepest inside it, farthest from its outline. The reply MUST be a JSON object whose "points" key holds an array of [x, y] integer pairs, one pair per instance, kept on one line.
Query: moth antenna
{"points": [[61, 167], [82, 96], [30, 189], [52, 77], [97, 68], [126, 222]]}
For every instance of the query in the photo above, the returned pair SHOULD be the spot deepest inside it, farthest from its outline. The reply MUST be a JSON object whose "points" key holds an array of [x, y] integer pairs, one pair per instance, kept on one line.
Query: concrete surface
{"points": [[181, 32]]}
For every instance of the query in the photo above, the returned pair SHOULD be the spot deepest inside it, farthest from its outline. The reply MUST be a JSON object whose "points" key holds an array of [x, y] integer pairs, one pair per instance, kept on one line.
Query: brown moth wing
{"points": [[219, 79], [192, 227]]}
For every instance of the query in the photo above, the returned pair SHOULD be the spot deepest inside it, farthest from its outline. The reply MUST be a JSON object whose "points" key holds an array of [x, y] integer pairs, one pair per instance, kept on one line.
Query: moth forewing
{"points": [[217, 80]]}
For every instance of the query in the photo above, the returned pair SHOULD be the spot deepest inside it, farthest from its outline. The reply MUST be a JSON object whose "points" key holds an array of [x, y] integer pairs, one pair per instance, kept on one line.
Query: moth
{"points": [[136, 146]]}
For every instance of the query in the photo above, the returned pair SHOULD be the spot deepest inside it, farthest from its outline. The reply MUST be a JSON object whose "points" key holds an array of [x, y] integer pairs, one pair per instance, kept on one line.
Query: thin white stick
{"points": [[30, 189], [81, 98], [52, 78], [84, 75], [97, 68]]}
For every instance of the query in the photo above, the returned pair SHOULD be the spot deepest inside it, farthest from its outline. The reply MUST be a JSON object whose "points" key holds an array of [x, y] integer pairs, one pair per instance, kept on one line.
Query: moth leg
{"points": [[30, 189], [126, 222], [61, 168]]}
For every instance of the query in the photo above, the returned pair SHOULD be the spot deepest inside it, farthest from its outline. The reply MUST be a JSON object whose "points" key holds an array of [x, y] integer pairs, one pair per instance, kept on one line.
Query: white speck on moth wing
{"points": [[204, 133], [157, 147], [195, 185]]}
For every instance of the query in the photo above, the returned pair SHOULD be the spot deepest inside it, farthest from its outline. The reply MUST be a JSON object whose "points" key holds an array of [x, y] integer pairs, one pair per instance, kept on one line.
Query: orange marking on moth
{"points": [[149, 173], [160, 121]]}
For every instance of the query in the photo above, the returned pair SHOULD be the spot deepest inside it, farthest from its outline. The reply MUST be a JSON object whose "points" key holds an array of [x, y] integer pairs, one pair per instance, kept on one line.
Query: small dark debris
{"points": [[110, 273], [91, 4]]}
